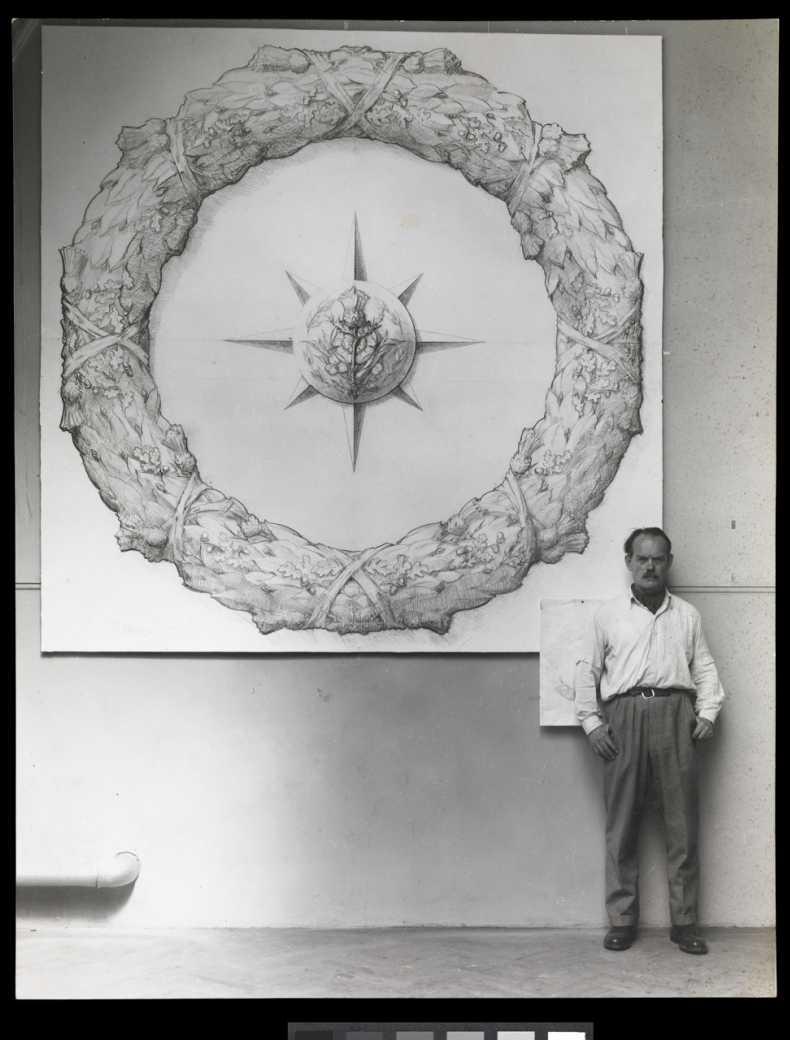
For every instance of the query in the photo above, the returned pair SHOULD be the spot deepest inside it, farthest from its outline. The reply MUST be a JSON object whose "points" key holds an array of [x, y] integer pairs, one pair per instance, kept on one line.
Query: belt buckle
{"points": [[650, 694]]}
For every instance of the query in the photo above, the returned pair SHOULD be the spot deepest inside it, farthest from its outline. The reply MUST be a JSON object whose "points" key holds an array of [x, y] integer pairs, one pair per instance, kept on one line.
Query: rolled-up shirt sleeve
{"points": [[587, 676], [704, 674]]}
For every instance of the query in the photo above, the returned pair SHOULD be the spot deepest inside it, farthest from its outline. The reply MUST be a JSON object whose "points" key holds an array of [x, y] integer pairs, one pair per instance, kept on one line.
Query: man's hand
{"points": [[703, 730], [602, 741]]}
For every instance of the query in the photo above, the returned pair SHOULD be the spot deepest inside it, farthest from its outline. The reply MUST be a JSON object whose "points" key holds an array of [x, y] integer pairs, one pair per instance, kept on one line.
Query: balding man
{"points": [[659, 694]]}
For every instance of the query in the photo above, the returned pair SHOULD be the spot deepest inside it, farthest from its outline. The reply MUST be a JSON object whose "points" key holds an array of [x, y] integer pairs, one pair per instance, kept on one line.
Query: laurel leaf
{"points": [[584, 253], [469, 104], [264, 105], [590, 220], [287, 89], [559, 203], [422, 93], [159, 168], [120, 244], [95, 208], [259, 578], [581, 431], [202, 96], [128, 183], [125, 211], [555, 249], [552, 279], [241, 80], [547, 176], [578, 187]]}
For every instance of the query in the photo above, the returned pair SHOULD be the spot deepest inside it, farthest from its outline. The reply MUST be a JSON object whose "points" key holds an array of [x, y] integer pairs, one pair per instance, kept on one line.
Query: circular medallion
{"points": [[355, 345]]}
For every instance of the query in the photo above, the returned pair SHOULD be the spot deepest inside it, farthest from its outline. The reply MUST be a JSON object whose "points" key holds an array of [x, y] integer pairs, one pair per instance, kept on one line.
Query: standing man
{"points": [[660, 694]]}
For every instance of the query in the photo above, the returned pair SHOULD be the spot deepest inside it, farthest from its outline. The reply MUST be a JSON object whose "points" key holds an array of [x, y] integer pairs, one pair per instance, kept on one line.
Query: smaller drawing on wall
{"points": [[565, 635]]}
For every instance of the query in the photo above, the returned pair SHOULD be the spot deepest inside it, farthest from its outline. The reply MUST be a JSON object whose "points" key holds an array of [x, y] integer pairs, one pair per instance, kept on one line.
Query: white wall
{"points": [[368, 790]]}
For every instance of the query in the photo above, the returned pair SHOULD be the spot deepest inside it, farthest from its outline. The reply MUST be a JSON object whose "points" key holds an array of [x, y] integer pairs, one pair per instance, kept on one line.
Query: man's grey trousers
{"points": [[656, 751]]}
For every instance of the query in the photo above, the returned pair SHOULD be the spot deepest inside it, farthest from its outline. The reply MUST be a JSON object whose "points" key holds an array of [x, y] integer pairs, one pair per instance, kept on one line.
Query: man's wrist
{"points": [[592, 723]]}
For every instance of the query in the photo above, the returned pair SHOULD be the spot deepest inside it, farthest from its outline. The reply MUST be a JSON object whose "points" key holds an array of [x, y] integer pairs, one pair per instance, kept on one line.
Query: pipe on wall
{"points": [[115, 872]]}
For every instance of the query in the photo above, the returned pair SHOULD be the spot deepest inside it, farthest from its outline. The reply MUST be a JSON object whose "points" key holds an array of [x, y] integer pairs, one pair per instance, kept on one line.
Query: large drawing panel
{"points": [[349, 341], [566, 627]]}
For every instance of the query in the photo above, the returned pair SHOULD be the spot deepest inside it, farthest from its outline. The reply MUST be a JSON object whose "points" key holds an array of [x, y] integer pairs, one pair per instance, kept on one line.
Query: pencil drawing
{"points": [[565, 628], [141, 218]]}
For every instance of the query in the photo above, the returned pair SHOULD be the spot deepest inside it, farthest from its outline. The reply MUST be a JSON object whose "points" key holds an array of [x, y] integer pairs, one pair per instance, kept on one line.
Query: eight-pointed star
{"points": [[354, 345]]}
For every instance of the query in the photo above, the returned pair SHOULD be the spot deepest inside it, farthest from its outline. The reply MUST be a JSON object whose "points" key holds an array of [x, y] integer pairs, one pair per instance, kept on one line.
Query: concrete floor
{"points": [[401, 962]]}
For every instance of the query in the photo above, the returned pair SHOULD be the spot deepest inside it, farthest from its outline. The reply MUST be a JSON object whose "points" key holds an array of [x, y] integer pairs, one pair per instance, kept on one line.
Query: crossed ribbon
{"points": [[103, 340]]}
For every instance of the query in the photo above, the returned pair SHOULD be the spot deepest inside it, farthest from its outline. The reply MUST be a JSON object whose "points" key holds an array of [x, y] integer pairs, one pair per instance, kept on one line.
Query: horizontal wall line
{"points": [[723, 588], [26, 586]]}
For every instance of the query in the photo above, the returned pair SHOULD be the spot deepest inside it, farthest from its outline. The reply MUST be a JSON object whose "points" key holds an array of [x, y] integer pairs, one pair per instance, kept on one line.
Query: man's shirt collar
{"points": [[666, 602]]}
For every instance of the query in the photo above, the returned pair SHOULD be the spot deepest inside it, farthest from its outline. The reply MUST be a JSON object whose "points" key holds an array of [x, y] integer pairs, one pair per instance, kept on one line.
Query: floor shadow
{"points": [[34, 902]]}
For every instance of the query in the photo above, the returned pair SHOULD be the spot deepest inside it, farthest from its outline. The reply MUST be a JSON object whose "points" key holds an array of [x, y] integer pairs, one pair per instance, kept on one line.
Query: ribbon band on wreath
{"points": [[186, 176], [104, 339], [603, 345], [191, 492], [142, 216], [355, 110], [355, 569]]}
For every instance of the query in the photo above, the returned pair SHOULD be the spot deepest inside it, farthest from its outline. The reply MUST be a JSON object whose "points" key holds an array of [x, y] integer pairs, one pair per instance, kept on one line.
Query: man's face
{"points": [[649, 564]]}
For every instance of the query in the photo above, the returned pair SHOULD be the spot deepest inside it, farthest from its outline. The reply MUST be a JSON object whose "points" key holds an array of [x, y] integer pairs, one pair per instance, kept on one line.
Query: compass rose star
{"points": [[354, 345]]}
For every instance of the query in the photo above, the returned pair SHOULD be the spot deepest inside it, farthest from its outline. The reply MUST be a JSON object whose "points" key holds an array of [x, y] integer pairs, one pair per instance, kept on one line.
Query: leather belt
{"points": [[654, 691]]}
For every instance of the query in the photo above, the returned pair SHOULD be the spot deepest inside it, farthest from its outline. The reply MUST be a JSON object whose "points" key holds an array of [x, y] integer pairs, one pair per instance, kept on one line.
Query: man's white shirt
{"points": [[630, 646]]}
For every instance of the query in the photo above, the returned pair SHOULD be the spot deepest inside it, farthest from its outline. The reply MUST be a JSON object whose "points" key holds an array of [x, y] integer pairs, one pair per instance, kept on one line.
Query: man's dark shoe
{"points": [[688, 938], [620, 937]]}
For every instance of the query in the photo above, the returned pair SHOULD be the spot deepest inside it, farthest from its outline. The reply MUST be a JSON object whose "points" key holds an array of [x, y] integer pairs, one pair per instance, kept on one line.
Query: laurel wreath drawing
{"points": [[142, 216]]}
